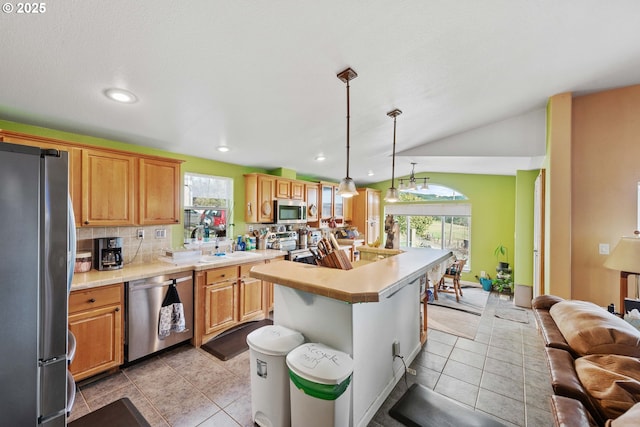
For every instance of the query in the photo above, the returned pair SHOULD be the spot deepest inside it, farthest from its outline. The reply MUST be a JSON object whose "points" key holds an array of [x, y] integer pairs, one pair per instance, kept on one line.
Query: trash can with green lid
{"points": [[320, 381], [268, 347]]}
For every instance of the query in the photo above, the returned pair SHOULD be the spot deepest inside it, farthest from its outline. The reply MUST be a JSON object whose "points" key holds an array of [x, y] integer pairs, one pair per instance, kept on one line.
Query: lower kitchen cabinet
{"points": [[96, 320], [226, 297], [251, 295], [220, 294]]}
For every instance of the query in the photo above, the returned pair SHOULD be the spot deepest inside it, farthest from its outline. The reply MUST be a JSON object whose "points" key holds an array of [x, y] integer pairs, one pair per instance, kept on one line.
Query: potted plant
{"points": [[502, 283], [501, 250]]}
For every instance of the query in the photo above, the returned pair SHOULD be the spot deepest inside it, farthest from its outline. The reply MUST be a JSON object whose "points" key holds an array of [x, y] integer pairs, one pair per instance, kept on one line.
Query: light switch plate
{"points": [[603, 249]]}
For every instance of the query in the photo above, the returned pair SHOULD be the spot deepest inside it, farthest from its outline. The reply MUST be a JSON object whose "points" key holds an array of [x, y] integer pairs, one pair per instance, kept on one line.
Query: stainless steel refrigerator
{"points": [[35, 276]]}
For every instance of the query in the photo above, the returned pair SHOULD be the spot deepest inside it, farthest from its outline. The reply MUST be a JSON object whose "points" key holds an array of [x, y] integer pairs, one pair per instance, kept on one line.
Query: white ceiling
{"points": [[472, 77]]}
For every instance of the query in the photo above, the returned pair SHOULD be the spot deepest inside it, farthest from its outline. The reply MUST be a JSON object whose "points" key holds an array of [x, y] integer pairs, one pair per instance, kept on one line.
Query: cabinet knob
{"points": [[117, 309], [92, 300], [86, 222]]}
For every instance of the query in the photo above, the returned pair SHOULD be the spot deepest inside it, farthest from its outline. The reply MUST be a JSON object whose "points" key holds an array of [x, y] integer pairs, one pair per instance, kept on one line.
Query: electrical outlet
{"points": [[161, 233], [141, 234], [411, 371], [396, 348], [603, 249], [251, 229]]}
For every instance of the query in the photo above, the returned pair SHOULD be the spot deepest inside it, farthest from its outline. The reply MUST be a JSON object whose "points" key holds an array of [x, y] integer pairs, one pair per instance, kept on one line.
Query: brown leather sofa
{"points": [[577, 335]]}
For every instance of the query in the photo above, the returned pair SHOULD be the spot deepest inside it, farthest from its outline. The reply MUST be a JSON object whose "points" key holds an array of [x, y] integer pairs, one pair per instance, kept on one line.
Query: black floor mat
{"points": [[423, 407], [233, 342]]}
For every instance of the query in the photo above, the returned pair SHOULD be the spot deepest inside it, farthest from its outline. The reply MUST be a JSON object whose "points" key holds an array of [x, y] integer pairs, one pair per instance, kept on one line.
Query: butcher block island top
{"points": [[367, 282]]}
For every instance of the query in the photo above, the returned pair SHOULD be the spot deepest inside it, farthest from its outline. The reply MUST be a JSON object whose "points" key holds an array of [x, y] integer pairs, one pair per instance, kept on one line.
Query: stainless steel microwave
{"points": [[288, 211]]}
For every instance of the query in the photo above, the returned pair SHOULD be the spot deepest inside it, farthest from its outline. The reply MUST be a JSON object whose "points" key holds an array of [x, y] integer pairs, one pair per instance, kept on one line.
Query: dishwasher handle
{"points": [[133, 286]]}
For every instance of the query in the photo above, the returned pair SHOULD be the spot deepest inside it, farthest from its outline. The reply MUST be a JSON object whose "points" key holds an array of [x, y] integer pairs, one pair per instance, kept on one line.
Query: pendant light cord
{"points": [[393, 158], [348, 117]]}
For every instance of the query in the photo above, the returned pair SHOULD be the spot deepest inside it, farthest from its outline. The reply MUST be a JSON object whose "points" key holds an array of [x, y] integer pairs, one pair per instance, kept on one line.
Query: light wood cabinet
{"points": [[297, 190], [159, 191], [332, 205], [220, 294], [289, 189], [75, 162], [108, 188], [259, 196], [252, 298], [312, 200], [366, 213], [112, 187], [96, 321]]}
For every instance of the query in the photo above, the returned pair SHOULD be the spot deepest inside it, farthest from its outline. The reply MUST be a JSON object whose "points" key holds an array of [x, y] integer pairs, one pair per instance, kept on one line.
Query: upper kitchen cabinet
{"points": [[75, 162], [332, 205], [259, 196], [113, 187], [108, 190], [312, 199], [289, 189], [159, 193], [366, 213]]}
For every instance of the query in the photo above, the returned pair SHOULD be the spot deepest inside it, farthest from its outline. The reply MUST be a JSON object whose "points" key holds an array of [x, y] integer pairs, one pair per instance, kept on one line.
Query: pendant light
{"points": [[412, 182], [392, 192], [347, 187]]}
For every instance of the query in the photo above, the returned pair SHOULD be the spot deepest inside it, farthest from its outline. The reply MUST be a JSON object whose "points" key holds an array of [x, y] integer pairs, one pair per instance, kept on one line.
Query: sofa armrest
{"points": [[545, 302], [568, 412], [551, 335], [565, 381]]}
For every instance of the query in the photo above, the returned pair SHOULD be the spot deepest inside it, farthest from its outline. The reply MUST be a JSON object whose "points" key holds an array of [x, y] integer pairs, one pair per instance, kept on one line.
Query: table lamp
{"points": [[625, 258]]}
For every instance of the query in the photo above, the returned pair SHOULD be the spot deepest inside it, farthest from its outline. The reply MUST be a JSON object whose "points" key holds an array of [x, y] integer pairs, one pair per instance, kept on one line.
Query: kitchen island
{"points": [[361, 312]]}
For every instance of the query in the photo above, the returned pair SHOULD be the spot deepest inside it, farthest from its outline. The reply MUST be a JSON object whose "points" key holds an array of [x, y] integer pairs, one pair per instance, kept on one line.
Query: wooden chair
{"points": [[453, 273]]}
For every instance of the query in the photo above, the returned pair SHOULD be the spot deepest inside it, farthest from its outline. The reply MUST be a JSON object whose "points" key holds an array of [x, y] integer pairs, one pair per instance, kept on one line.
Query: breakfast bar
{"points": [[361, 312]]}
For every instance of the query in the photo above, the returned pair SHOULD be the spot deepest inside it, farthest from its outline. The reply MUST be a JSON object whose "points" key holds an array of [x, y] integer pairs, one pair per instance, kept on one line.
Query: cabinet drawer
{"points": [[94, 298], [246, 268], [221, 274]]}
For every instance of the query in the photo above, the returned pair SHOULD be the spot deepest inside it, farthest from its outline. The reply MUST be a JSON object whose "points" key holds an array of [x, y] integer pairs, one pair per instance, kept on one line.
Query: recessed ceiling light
{"points": [[223, 148], [370, 173], [120, 95], [320, 158]]}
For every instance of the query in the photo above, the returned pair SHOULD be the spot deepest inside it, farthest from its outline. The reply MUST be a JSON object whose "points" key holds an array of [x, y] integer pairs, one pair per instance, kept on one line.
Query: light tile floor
{"points": [[502, 373]]}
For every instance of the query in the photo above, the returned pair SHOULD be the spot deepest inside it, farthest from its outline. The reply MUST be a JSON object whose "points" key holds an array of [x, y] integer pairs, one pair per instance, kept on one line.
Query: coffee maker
{"points": [[107, 253]]}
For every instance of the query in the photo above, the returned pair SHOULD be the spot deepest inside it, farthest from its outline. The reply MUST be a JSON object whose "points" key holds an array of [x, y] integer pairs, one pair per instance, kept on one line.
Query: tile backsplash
{"points": [[135, 251]]}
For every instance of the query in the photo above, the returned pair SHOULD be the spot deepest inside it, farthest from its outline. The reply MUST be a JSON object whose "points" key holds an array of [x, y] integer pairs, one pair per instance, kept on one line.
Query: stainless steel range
{"points": [[284, 240]]}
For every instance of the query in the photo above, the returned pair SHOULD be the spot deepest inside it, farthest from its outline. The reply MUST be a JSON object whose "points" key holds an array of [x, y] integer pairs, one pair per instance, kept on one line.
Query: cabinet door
{"points": [[159, 197], [250, 198], [373, 216], [312, 202], [75, 163], [99, 345], [338, 204], [326, 198], [108, 188], [220, 301], [251, 298], [283, 189], [265, 198], [297, 190]]}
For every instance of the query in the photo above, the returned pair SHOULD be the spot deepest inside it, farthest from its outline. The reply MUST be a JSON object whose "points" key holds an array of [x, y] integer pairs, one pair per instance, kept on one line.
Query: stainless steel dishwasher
{"points": [[143, 302]]}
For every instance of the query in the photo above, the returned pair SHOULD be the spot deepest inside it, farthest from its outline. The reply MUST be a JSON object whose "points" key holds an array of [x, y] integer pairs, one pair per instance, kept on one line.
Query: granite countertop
{"points": [[94, 278], [366, 282]]}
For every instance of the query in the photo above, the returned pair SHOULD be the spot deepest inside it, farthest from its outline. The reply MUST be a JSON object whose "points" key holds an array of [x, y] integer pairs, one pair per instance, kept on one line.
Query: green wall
{"points": [[492, 199], [525, 185]]}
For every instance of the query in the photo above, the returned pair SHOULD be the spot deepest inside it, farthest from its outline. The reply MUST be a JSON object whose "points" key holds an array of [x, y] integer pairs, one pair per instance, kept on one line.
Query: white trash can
{"points": [[268, 347], [320, 381]]}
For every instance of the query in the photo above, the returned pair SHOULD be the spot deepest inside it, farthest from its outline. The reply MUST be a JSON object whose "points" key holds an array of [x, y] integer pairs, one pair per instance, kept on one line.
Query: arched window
{"points": [[437, 217]]}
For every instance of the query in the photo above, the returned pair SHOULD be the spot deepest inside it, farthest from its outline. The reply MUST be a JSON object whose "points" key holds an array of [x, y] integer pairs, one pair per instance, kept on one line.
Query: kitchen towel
{"points": [[171, 314]]}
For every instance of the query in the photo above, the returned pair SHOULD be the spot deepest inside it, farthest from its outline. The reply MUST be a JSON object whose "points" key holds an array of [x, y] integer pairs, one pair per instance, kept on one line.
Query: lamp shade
{"points": [[347, 188], [392, 195], [625, 256]]}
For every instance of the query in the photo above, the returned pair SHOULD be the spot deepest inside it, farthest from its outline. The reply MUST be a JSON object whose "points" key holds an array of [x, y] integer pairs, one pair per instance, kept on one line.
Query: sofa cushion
{"points": [[628, 419], [611, 380], [590, 329]]}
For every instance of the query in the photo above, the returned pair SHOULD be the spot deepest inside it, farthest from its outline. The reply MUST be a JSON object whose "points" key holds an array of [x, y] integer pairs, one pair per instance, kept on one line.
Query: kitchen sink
{"points": [[207, 259]]}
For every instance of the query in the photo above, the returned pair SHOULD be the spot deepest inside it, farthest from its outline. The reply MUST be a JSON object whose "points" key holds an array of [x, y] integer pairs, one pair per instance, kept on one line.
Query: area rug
{"points": [[513, 314], [423, 407], [233, 342], [473, 300], [455, 322]]}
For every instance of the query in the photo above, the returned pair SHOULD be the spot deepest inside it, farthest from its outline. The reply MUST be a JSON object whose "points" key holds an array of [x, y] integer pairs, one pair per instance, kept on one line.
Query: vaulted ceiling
{"points": [[471, 77]]}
